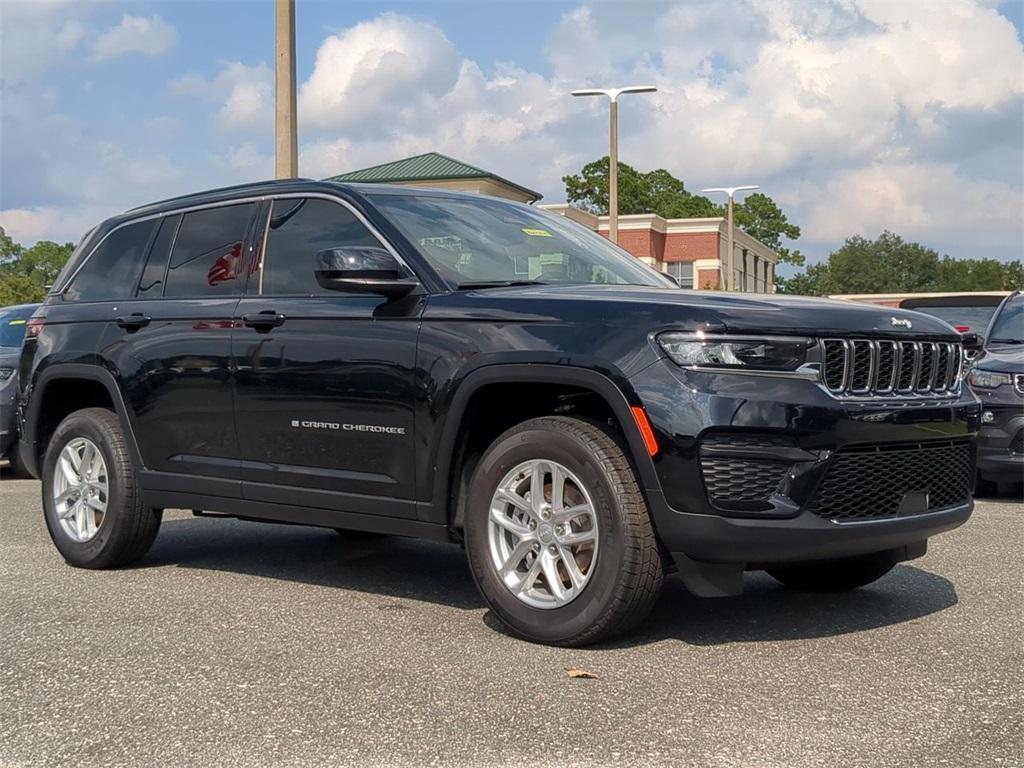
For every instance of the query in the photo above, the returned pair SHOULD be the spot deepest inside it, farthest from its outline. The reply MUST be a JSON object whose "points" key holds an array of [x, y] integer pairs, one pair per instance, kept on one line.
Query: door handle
{"points": [[266, 319], [134, 321]]}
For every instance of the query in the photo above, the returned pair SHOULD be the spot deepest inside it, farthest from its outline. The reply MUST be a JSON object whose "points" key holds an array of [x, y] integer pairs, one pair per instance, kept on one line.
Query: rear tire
{"points": [[604, 562], [835, 575], [105, 477]]}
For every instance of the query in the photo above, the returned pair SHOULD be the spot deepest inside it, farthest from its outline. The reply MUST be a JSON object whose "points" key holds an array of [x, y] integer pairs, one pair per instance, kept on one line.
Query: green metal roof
{"points": [[427, 167]]}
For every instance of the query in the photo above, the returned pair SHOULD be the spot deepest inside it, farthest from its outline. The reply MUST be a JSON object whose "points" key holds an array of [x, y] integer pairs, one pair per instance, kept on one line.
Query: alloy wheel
{"points": [[81, 489], [543, 534]]}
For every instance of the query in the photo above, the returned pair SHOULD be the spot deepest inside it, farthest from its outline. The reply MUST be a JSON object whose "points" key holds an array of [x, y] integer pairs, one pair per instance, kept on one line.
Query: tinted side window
{"points": [[151, 285], [208, 252], [112, 271], [298, 229]]}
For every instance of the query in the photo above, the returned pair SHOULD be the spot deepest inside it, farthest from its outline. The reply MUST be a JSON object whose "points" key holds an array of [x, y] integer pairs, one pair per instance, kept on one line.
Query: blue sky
{"points": [[856, 116]]}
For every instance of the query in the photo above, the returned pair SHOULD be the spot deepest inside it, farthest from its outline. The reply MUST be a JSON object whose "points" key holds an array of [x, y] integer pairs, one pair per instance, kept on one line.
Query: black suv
{"points": [[466, 369]]}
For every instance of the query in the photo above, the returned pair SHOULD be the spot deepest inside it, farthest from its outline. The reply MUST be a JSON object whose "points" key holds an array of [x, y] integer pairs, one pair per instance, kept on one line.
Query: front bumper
{"points": [[797, 424], [1000, 450]]}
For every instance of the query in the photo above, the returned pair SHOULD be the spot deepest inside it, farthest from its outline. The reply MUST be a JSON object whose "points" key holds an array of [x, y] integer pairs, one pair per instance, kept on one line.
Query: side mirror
{"points": [[362, 269]]}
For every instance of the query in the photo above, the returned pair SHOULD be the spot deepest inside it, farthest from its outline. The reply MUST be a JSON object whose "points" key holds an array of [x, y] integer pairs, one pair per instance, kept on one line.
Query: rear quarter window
{"points": [[112, 270]]}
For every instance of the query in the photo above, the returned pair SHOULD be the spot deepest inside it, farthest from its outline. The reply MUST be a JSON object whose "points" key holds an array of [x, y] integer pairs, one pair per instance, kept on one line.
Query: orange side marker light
{"points": [[640, 416]]}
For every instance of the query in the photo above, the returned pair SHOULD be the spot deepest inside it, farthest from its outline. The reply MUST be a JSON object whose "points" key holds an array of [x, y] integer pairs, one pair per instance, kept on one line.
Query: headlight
{"points": [[987, 379], [767, 353], [6, 372]]}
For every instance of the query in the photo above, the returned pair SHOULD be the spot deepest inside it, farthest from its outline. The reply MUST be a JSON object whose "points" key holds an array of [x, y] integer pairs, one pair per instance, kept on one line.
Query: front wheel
{"points": [[558, 535], [835, 575], [91, 498]]}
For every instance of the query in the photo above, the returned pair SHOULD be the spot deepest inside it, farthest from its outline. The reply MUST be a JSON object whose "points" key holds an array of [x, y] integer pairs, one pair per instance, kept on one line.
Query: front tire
{"points": [[91, 498], [558, 536], [835, 575]]}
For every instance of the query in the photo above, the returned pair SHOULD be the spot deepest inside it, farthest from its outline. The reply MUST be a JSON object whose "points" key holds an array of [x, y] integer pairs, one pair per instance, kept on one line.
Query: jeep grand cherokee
{"points": [[467, 369]]}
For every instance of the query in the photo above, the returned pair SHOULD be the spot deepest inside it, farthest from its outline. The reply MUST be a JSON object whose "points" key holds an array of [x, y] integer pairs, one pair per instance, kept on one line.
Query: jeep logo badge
{"points": [[901, 322]]}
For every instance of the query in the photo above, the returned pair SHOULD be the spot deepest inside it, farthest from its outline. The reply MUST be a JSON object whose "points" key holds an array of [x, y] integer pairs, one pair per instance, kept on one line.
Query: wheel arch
{"points": [[617, 396], [37, 429]]}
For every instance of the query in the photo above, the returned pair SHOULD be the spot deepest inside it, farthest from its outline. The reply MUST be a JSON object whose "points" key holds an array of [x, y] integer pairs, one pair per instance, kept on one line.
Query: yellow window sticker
{"points": [[16, 322], [537, 232]]}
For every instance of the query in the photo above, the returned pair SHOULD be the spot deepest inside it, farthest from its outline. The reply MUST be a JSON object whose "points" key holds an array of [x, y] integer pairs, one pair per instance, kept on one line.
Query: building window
{"points": [[682, 271]]}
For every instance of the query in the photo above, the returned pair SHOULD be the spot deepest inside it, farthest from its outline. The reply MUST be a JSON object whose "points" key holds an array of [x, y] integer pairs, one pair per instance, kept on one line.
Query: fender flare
{"points": [[618, 396], [63, 371]]}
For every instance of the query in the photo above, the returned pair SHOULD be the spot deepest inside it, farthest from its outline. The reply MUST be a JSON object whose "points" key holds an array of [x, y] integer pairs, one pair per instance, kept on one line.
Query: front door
{"points": [[324, 381]]}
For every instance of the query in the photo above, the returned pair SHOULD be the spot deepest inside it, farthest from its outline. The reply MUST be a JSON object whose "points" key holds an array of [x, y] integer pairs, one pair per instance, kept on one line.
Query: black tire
{"points": [[835, 575], [627, 575], [128, 528]]}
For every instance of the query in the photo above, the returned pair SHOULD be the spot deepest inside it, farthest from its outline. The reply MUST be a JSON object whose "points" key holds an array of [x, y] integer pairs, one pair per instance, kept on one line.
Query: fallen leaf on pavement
{"points": [[580, 673]]}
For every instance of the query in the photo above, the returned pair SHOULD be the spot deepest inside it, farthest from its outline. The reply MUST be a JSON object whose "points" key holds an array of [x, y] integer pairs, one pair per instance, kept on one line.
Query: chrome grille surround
{"points": [[870, 369]]}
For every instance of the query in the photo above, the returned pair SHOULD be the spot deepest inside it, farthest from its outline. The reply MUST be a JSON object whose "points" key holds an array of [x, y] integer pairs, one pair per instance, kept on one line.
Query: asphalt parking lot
{"points": [[237, 644]]}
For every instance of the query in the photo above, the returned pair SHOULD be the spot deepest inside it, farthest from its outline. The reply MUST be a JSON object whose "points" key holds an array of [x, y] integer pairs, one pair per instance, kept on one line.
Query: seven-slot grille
{"points": [[870, 367]]}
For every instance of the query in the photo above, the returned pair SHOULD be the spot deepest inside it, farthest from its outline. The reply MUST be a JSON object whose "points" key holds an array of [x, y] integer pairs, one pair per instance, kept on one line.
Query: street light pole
{"points": [[613, 154], [728, 282], [286, 161]]}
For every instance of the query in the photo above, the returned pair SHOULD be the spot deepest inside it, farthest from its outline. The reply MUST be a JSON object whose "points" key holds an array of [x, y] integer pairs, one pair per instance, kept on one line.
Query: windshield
{"points": [[1009, 325], [12, 327], [974, 319], [485, 241]]}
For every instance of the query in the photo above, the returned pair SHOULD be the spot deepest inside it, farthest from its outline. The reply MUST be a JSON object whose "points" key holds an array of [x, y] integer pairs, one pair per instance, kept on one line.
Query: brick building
{"points": [[691, 250]]}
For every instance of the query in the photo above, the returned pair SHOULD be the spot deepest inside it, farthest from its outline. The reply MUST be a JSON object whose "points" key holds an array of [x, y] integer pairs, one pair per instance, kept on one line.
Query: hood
{"points": [[727, 312], [1002, 358], [9, 355]]}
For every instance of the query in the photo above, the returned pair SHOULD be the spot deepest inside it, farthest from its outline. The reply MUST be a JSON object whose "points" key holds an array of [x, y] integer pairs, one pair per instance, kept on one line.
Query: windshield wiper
{"points": [[470, 284]]}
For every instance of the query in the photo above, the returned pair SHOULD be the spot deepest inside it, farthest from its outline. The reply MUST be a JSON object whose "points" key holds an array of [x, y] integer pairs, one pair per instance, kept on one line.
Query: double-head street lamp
{"points": [[727, 271], [613, 156]]}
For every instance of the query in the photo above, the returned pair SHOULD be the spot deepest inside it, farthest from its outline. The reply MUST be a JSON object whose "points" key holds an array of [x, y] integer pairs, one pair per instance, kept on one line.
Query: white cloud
{"points": [[150, 36], [43, 38], [856, 115], [246, 95], [58, 223], [930, 202], [391, 67]]}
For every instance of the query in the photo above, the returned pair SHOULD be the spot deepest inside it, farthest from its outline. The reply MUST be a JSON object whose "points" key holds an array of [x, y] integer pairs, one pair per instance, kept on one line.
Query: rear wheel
{"points": [[558, 535], [835, 575], [91, 499]]}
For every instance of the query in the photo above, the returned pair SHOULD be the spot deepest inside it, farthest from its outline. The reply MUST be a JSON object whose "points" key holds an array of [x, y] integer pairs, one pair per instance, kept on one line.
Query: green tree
{"points": [[25, 272], [657, 192], [660, 192], [978, 275], [760, 217], [889, 264]]}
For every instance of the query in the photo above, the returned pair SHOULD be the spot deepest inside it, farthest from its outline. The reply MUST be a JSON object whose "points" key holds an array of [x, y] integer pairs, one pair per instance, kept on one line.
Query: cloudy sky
{"points": [[855, 115]]}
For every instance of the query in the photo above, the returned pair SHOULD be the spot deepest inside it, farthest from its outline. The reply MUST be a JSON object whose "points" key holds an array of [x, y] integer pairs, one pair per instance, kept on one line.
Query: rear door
{"points": [[324, 383], [171, 345]]}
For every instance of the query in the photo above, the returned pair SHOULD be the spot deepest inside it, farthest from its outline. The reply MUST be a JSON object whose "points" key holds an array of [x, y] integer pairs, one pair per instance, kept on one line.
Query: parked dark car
{"points": [[12, 332], [466, 369], [967, 312], [997, 378]]}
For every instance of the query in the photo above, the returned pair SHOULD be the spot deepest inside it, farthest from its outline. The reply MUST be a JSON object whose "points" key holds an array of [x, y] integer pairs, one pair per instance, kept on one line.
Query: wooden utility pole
{"points": [[613, 173], [286, 157]]}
